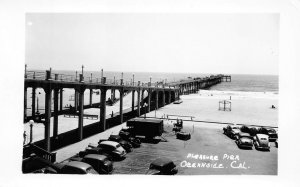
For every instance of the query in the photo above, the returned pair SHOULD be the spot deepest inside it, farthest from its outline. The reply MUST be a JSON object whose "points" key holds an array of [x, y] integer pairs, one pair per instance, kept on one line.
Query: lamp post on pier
{"points": [[82, 69], [133, 79], [150, 80], [25, 70]]}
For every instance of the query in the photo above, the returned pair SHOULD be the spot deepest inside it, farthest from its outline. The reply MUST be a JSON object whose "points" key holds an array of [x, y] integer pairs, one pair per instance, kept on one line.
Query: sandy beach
{"points": [[252, 108]]}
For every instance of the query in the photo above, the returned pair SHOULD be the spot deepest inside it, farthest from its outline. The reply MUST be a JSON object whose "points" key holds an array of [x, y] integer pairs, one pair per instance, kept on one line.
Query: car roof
{"points": [[77, 164], [262, 136], [111, 143], [161, 162], [95, 156]]}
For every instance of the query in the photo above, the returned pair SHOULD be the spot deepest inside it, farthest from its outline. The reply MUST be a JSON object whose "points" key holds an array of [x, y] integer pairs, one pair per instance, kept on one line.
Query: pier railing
{"points": [[48, 75]]}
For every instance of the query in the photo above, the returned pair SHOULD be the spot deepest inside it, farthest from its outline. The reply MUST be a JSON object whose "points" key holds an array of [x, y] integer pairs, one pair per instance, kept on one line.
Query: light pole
{"points": [[133, 79], [31, 122], [150, 80], [82, 69], [101, 74], [25, 70]]}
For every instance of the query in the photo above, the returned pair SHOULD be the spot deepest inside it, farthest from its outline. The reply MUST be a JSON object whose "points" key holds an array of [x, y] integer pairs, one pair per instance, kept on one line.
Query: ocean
{"points": [[246, 83]]}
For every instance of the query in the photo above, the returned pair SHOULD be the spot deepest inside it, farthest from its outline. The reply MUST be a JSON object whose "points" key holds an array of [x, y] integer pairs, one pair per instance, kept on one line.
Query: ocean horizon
{"points": [[239, 82]]}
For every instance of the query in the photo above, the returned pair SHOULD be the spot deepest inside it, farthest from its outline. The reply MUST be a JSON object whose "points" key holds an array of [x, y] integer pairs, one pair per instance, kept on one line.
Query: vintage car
{"points": [[36, 164], [183, 136], [242, 134], [112, 148], [244, 140], [270, 132], [125, 144], [261, 141], [162, 166], [75, 167], [231, 130], [245, 129], [100, 163], [253, 131]]}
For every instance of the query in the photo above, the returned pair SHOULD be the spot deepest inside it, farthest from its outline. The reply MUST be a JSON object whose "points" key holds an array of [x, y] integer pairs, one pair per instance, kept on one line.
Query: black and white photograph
{"points": [[161, 91]]}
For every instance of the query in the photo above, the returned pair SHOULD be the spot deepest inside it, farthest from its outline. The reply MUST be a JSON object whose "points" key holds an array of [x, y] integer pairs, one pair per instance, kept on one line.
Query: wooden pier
{"points": [[159, 95]]}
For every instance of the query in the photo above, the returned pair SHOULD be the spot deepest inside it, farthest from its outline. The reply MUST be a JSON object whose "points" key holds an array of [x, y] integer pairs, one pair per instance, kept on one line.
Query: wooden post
{"points": [[25, 103], [33, 103], [156, 99], [149, 100], [103, 110], [55, 120], [48, 91], [91, 97], [80, 115], [121, 102], [61, 99], [132, 104], [139, 102], [163, 98]]}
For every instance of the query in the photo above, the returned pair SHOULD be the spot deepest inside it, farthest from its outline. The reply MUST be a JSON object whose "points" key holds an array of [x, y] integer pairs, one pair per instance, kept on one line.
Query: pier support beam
{"points": [[48, 92], [80, 92], [156, 99], [55, 119], [25, 103], [163, 98], [103, 110], [33, 102], [121, 103], [91, 97], [61, 99], [169, 99], [76, 100], [139, 102], [132, 104], [149, 100]]}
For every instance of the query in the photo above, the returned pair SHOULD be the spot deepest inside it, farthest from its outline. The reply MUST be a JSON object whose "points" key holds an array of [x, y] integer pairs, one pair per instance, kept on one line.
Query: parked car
{"points": [[276, 143], [261, 141], [75, 167], [125, 144], [244, 140], [162, 166], [242, 134], [100, 163], [183, 136], [35, 163], [253, 131], [245, 129], [231, 130], [46, 170], [270, 132], [112, 148]]}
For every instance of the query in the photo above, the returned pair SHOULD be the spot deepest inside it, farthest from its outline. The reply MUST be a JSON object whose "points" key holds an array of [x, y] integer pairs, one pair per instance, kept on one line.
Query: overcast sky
{"points": [[196, 43]]}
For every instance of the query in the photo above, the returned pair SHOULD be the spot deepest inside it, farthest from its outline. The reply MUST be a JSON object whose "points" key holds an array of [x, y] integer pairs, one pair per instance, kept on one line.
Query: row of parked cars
{"points": [[247, 137], [98, 158]]}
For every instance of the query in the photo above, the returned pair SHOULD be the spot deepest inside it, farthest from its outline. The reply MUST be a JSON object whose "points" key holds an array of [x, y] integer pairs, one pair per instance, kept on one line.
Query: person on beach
{"points": [[112, 113]]}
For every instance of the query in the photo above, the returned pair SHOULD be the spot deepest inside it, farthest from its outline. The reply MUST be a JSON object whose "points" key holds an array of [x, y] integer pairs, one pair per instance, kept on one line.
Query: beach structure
{"points": [[159, 94], [225, 105]]}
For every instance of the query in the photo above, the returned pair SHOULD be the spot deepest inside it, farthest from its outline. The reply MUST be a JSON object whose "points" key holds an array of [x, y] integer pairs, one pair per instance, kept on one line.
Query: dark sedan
{"points": [[244, 140], [162, 166], [100, 163]]}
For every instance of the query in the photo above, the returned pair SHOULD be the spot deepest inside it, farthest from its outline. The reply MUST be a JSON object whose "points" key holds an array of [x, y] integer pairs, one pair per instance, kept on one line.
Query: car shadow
{"points": [[152, 140]]}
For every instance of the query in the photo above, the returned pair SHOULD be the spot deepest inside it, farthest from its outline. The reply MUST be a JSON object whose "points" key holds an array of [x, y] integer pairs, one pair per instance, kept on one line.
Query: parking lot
{"points": [[208, 151]]}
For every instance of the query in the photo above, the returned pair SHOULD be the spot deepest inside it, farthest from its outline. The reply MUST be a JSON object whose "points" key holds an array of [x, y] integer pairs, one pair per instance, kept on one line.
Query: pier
{"points": [[159, 94]]}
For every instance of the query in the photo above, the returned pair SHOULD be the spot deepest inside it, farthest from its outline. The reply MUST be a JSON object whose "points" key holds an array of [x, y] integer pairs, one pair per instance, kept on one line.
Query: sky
{"points": [[237, 43]]}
